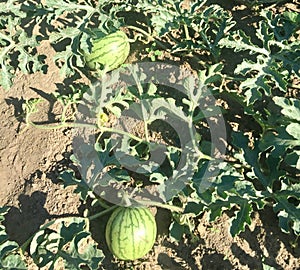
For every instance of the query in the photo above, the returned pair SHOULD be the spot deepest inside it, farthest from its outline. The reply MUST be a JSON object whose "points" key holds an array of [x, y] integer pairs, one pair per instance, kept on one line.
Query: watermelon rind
{"points": [[130, 232], [109, 52]]}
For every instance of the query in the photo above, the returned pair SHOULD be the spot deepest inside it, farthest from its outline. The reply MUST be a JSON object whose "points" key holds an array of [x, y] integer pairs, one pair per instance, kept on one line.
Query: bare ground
{"points": [[31, 159]]}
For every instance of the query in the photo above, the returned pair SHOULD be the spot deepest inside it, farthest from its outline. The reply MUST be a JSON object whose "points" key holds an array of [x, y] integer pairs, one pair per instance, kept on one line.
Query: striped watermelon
{"points": [[108, 52], [130, 232]]}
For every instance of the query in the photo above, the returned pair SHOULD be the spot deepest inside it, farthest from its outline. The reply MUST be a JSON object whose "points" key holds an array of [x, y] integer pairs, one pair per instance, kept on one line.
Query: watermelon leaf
{"points": [[176, 231], [287, 211], [10, 255], [69, 179], [70, 241], [275, 59], [241, 218]]}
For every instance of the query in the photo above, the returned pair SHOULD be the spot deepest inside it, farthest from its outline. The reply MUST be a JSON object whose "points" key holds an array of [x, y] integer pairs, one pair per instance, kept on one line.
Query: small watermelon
{"points": [[130, 232], [108, 52]]}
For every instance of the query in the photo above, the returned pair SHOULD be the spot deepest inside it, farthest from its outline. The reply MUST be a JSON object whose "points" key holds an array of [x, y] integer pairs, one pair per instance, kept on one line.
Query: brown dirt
{"points": [[31, 159]]}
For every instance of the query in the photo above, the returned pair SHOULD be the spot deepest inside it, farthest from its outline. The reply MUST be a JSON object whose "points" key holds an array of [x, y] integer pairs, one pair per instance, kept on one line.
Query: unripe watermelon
{"points": [[108, 52], [130, 232]]}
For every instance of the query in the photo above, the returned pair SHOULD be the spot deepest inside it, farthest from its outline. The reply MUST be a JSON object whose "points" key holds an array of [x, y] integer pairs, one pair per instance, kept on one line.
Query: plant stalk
{"points": [[147, 35], [172, 208], [104, 212]]}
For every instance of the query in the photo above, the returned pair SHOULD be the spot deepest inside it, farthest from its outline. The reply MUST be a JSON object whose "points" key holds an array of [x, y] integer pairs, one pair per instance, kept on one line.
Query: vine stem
{"points": [[8, 48], [100, 129], [127, 197], [147, 35], [103, 212], [64, 112], [84, 125], [60, 125], [172, 208], [97, 215], [161, 205], [186, 31], [47, 225]]}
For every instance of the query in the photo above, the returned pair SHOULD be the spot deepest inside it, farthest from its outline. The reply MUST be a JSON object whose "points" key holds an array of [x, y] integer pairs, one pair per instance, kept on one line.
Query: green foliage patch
{"points": [[261, 165]]}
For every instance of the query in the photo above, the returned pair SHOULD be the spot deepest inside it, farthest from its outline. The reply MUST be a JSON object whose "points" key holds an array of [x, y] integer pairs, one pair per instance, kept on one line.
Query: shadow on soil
{"points": [[272, 237], [24, 221], [215, 261]]}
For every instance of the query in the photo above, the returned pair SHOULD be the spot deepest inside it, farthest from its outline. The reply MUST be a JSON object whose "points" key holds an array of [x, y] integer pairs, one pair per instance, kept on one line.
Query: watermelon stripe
{"points": [[122, 231], [105, 41], [99, 56], [103, 44], [144, 247], [150, 220], [130, 232], [116, 218], [110, 51], [109, 44], [118, 35]]}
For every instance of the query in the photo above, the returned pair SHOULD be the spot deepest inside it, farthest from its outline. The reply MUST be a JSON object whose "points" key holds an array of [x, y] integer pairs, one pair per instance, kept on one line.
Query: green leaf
{"points": [[10, 257], [263, 68], [294, 130], [100, 96], [284, 25], [69, 179], [6, 76], [3, 211], [216, 209], [181, 176], [212, 74], [17, 47], [14, 7], [288, 211], [267, 267], [176, 231], [241, 219], [71, 243], [276, 60], [239, 41], [93, 162], [242, 214], [280, 140], [293, 159], [290, 107], [251, 158], [288, 221], [193, 207], [139, 161]]}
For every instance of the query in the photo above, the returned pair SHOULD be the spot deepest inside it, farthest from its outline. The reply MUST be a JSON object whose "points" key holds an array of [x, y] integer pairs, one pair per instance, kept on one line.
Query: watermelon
{"points": [[108, 52], [130, 232]]}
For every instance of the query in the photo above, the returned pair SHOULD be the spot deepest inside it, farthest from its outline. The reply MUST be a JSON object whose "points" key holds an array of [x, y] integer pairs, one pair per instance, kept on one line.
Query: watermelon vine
{"points": [[219, 165]]}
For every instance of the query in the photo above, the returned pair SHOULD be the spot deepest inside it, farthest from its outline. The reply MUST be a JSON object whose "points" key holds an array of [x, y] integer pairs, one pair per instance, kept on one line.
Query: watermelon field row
{"points": [[187, 106]]}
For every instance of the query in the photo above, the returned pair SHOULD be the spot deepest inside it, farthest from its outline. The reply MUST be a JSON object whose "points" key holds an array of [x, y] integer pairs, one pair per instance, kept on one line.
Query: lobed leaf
{"points": [[288, 211], [290, 107], [242, 218], [10, 255], [69, 179], [276, 59], [70, 242]]}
